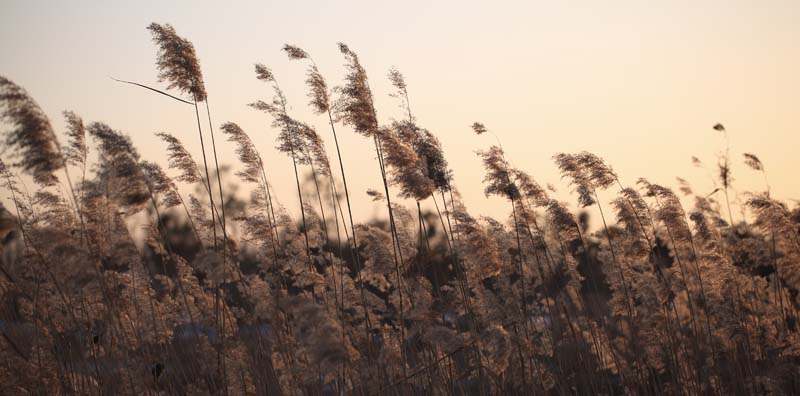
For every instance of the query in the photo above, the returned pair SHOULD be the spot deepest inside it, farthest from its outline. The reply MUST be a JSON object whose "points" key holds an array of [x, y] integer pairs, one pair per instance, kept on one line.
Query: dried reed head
{"points": [[375, 195], [54, 210], [292, 136], [399, 83], [724, 173], [180, 159], [160, 184], [177, 62], [600, 174], [753, 162], [376, 247], [405, 168], [480, 250], [629, 217], [354, 105], [76, 150], [319, 96], [529, 187], [704, 232], [570, 167], [315, 149], [246, 151], [587, 173], [278, 106], [479, 128], [684, 186], [773, 216], [669, 208], [264, 73], [562, 220], [295, 52], [429, 151], [32, 138], [120, 167], [498, 175]]}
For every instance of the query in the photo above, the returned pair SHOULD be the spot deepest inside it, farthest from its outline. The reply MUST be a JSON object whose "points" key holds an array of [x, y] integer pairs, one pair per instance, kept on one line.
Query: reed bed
{"points": [[663, 299]]}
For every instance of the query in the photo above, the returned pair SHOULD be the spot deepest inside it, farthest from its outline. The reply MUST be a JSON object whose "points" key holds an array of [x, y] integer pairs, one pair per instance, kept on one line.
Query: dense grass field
{"points": [[116, 281]]}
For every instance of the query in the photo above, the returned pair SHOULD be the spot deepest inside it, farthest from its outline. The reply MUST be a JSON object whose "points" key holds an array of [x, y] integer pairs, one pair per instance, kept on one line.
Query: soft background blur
{"points": [[639, 83]]}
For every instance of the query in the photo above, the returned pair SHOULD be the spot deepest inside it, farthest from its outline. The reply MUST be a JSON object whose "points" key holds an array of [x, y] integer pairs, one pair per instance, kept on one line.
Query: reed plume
{"points": [[32, 138], [177, 62], [76, 151], [178, 65]]}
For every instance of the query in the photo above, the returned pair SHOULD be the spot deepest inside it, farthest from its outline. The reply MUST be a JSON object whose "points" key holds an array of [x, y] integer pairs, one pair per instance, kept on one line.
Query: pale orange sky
{"points": [[639, 83]]}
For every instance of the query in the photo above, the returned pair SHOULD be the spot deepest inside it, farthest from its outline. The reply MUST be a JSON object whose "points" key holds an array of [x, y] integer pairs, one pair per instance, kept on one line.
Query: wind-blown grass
{"points": [[663, 298]]}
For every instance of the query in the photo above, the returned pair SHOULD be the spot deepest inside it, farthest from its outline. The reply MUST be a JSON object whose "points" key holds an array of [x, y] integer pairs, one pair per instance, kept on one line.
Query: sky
{"points": [[640, 83]]}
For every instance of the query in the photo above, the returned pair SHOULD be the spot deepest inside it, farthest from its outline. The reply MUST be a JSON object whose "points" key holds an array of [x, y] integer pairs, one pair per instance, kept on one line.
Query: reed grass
{"points": [[100, 295]]}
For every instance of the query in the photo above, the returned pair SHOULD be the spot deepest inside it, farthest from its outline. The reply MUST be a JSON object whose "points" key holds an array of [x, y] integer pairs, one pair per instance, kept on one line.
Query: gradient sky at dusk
{"points": [[639, 83]]}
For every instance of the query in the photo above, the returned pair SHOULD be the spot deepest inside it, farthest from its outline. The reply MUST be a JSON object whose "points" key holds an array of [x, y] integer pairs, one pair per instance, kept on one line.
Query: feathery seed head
{"points": [[177, 62], [479, 128], [354, 106], [246, 151], [498, 176], [397, 79], [32, 138], [376, 195], [684, 186], [295, 52], [263, 73], [753, 162], [160, 184], [406, 168], [319, 96], [76, 150], [180, 159], [120, 166]]}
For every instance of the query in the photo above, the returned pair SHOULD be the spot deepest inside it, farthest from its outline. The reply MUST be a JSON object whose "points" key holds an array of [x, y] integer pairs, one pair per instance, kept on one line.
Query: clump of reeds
{"points": [[119, 284]]}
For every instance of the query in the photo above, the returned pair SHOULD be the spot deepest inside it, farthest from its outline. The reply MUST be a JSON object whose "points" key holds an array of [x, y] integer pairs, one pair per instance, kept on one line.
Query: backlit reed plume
{"points": [[320, 102], [291, 139], [255, 173], [356, 108], [32, 137], [724, 168], [178, 65], [431, 161], [588, 173], [774, 216], [76, 150], [161, 184], [354, 105], [498, 177], [405, 168], [127, 184], [671, 213], [181, 160], [479, 128], [177, 62], [755, 164], [498, 182], [399, 83]]}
